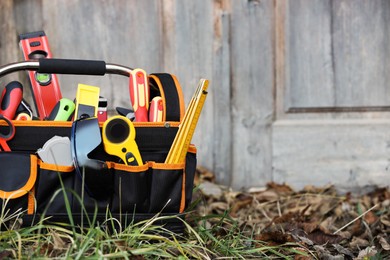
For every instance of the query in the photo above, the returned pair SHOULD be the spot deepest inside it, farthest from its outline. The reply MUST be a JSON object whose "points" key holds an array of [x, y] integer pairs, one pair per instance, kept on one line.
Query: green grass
{"points": [[207, 237]]}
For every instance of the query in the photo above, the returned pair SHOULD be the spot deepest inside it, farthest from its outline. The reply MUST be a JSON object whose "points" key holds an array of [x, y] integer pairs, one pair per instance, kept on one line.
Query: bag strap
{"points": [[168, 87]]}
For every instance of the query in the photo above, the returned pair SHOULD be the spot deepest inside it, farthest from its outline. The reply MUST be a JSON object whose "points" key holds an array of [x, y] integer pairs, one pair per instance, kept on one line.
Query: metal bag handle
{"points": [[67, 66]]}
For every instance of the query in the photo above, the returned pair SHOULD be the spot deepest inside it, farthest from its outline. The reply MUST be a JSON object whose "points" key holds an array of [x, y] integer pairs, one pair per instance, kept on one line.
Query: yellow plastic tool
{"points": [[119, 140], [178, 151], [87, 101]]}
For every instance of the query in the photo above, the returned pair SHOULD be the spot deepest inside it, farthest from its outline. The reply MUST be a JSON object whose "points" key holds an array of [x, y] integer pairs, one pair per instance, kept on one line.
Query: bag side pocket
{"points": [[55, 184], [18, 176], [167, 187], [131, 188]]}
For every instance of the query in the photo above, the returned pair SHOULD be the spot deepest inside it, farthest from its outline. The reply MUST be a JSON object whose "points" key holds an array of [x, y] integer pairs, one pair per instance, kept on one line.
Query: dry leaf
{"points": [[269, 195], [370, 218], [203, 174], [239, 204], [367, 252], [280, 188], [385, 221], [358, 242], [384, 243], [321, 238]]}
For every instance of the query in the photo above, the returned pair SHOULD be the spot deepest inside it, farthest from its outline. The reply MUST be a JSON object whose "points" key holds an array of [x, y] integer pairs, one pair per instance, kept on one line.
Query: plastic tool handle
{"points": [[139, 94], [63, 110], [11, 97], [156, 110], [76, 67]]}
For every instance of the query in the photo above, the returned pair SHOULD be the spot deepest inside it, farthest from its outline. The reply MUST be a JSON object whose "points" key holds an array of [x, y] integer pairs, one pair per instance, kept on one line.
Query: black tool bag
{"points": [[127, 193]]}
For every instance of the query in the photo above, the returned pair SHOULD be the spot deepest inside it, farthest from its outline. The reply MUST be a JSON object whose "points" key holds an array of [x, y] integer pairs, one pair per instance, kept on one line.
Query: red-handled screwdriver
{"points": [[156, 110], [139, 94], [10, 99]]}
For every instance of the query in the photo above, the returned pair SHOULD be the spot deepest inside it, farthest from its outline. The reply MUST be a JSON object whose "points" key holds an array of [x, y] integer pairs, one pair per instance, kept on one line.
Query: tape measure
{"points": [[178, 151], [119, 140]]}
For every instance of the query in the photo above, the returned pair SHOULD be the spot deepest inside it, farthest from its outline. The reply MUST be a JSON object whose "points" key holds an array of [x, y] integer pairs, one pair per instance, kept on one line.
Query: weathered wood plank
{"points": [[189, 53], [346, 153], [8, 51], [252, 92], [336, 56], [309, 61], [361, 46], [222, 133], [114, 31]]}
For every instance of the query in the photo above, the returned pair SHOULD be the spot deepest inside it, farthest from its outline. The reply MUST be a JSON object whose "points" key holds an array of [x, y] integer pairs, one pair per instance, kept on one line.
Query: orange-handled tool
{"points": [[139, 94], [156, 110], [10, 99]]}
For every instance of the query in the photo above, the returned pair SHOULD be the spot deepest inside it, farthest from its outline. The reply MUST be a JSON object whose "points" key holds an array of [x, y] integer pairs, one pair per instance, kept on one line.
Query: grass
{"points": [[223, 239]]}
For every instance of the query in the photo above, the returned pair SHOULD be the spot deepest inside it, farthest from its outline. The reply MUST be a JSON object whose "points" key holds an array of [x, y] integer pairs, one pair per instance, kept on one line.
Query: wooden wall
{"points": [[283, 74]]}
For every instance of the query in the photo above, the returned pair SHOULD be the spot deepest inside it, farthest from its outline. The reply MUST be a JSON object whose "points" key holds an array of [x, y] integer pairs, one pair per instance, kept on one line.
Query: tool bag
{"points": [[127, 193]]}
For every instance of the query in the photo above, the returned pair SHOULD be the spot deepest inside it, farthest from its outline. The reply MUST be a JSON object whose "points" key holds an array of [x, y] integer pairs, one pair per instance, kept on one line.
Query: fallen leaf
{"points": [[320, 238], [367, 252], [384, 243], [280, 188], [385, 220], [370, 218], [269, 195], [244, 201], [218, 207], [275, 237], [323, 253], [358, 242], [343, 250], [203, 174]]}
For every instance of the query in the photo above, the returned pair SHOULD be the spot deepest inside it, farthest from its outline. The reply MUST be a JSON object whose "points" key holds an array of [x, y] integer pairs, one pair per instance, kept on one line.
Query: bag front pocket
{"points": [[131, 188], [167, 188], [55, 184], [18, 175]]}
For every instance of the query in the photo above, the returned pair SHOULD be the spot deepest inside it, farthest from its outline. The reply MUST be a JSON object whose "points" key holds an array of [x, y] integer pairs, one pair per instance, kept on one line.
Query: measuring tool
{"points": [[139, 94], [119, 140], [178, 151], [45, 88], [10, 99], [87, 101]]}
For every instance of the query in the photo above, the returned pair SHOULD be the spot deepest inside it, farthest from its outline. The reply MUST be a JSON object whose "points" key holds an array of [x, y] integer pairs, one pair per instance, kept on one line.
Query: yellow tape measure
{"points": [[119, 140], [178, 151]]}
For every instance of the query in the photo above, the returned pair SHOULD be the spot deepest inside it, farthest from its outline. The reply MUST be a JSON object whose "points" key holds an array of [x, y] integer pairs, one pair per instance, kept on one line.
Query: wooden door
{"points": [[333, 95]]}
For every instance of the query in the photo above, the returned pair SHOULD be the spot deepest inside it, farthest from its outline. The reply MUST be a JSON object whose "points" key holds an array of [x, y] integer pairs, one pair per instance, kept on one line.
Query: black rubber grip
{"points": [[76, 67]]}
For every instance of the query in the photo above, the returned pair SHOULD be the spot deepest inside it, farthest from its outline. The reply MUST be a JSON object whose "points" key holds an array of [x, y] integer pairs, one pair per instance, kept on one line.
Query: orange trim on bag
{"points": [[129, 168], [166, 166], [192, 149], [31, 202], [42, 123], [162, 94], [55, 167], [27, 187], [183, 193], [180, 94]]}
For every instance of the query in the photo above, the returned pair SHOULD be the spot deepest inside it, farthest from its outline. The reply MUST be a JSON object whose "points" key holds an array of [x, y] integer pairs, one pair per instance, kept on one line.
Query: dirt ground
{"points": [[334, 226]]}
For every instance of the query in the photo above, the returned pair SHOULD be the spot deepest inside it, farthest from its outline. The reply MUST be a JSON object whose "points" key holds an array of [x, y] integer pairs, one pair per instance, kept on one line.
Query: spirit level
{"points": [[45, 88], [178, 151]]}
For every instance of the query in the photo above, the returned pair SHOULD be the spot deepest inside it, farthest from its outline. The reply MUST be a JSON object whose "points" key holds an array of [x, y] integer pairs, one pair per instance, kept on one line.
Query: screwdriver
{"points": [[10, 99], [139, 94]]}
